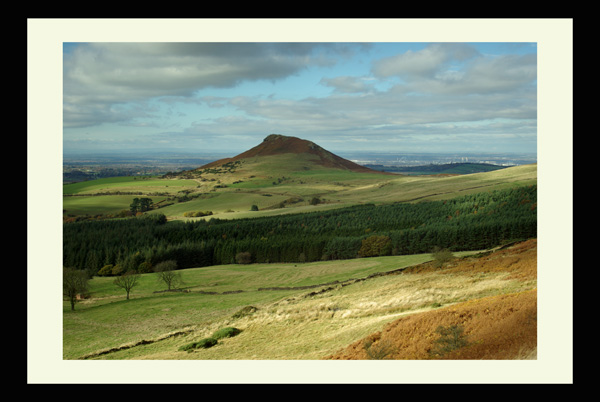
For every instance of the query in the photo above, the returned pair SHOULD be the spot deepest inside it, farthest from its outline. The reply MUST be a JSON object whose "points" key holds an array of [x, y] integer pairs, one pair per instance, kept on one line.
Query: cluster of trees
{"points": [[140, 205], [76, 286], [469, 222]]}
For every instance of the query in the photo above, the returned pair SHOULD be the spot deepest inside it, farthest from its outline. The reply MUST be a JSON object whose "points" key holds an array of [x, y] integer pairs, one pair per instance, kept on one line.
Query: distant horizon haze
{"points": [[389, 158]]}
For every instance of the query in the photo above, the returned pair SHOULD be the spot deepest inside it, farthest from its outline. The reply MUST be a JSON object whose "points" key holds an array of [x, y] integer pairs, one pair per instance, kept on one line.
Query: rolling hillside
{"points": [[281, 175], [496, 326], [339, 261], [319, 311]]}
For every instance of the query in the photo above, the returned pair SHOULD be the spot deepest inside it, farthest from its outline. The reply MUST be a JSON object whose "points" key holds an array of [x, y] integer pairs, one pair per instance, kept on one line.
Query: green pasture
{"points": [[222, 202], [225, 278], [421, 188], [239, 191], [93, 185], [296, 166], [293, 209], [299, 172], [107, 320], [130, 184], [99, 204]]}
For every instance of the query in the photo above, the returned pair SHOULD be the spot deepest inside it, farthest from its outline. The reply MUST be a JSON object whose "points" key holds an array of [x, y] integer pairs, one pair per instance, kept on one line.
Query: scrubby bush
{"points": [[441, 256], [145, 267], [105, 270], [226, 333], [380, 350], [118, 270], [451, 338], [201, 344]]}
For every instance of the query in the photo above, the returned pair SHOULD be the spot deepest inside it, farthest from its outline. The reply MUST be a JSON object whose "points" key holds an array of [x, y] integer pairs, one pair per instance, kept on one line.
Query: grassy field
{"points": [[275, 189], [99, 204], [290, 324], [128, 184], [108, 320]]}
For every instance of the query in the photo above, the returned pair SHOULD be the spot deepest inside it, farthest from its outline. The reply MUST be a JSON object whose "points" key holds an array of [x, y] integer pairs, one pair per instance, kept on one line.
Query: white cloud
{"points": [[101, 74], [424, 63], [459, 69]]}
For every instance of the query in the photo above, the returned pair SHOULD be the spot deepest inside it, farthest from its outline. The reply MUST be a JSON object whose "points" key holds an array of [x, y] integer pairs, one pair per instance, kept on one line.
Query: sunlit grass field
{"points": [[128, 184], [99, 204], [232, 195], [288, 323], [107, 319]]}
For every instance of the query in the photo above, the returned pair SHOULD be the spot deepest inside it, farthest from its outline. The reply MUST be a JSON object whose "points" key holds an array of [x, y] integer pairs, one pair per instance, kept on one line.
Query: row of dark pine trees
{"points": [[470, 222]]}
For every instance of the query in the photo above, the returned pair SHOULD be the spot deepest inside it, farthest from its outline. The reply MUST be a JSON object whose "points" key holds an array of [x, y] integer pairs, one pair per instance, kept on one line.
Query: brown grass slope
{"points": [[276, 144], [502, 327]]}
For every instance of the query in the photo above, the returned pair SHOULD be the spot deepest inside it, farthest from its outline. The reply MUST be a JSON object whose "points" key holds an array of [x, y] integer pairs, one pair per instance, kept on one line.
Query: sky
{"points": [[203, 97]]}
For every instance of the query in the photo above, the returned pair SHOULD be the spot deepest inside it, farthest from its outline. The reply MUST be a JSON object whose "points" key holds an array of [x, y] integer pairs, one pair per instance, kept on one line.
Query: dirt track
{"points": [[495, 328]]}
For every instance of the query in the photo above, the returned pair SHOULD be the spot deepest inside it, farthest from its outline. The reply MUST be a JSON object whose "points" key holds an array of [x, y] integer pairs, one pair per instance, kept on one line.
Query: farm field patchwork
{"points": [[287, 192]]}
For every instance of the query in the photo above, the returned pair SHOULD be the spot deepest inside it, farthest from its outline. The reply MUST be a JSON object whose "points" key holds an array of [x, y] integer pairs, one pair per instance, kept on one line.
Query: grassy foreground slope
{"points": [[212, 295], [499, 326], [493, 297]]}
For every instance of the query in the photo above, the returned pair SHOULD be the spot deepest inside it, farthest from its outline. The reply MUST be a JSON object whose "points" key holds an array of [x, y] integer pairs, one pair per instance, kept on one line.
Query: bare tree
{"points": [[127, 281], [75, 282], [167, 273]]}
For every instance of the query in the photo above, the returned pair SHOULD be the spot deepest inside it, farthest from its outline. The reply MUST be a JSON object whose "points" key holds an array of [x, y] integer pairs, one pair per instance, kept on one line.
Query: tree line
{"points": [[469, 222]]}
